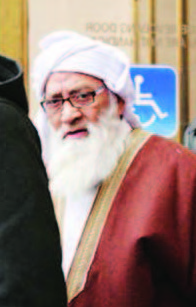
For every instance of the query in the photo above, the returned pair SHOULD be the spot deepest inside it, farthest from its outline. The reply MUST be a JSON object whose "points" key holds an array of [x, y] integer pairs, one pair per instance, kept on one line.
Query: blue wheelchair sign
{"points": [[156, 99]]}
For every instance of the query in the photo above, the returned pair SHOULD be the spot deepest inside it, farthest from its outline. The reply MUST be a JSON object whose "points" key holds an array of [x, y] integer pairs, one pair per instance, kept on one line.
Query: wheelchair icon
{"points": [[146, 99]]}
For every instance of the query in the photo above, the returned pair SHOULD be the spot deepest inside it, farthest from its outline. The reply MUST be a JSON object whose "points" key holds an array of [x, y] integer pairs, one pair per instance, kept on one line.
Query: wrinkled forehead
{"points": [[69, 81]]}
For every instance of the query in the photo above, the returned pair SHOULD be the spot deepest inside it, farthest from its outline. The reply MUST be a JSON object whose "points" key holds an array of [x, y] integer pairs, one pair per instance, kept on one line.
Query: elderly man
{"points": [[125, 199]]}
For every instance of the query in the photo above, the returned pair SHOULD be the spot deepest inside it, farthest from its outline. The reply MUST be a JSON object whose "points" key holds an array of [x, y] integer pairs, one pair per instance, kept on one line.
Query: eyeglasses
{"points": [[77, 100]]}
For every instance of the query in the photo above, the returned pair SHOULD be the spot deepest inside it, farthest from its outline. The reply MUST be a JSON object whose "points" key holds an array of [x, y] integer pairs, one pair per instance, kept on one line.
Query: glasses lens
{"points": [[52, 105], [82, 98]]}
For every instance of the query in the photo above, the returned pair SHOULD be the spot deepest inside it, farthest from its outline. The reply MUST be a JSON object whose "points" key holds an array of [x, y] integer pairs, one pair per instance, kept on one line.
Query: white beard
{"points": [[77, 165]]}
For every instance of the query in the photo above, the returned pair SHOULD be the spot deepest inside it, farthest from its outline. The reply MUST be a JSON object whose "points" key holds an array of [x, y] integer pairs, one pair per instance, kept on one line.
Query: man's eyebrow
{"points": [[81, 88], [54, 95], [76, 90]]}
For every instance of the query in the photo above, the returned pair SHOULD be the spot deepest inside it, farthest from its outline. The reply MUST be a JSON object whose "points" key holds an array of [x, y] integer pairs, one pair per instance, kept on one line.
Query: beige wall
{"points": [[113, 21], [14, 32]]}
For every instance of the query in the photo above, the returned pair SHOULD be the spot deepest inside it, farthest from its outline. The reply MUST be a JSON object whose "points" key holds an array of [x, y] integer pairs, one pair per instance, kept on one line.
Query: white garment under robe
{"points": [[75, 216]]}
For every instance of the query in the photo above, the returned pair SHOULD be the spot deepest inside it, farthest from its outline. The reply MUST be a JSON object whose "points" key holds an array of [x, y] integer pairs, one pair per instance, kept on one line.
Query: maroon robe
{"points": [[146, 255]]}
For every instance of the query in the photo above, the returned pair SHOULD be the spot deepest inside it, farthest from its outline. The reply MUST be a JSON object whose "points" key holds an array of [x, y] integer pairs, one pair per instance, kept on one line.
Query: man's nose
{"points": [[70, 113]]}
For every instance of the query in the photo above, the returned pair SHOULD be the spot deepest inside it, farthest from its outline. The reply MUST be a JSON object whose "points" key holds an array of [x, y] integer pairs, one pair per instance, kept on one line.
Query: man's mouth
{"points": [[76, 134]]}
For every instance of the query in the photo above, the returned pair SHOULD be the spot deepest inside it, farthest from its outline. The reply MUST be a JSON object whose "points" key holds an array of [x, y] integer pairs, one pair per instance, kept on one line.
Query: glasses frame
{"points": [[63, 100]]}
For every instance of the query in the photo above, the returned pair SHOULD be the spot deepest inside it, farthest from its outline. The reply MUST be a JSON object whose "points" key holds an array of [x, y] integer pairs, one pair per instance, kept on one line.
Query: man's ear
{"points": [[121, 107]]}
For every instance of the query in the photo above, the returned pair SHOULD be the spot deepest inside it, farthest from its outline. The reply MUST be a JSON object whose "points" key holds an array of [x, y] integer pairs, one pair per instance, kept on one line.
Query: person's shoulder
{"points": [[10, 113], [162, 157], [171, 150], [15, 122]]}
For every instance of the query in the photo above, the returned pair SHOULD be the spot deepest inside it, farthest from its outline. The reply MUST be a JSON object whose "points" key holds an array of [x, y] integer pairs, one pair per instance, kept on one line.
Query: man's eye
{"points": [[53, 102], [83, 96]]}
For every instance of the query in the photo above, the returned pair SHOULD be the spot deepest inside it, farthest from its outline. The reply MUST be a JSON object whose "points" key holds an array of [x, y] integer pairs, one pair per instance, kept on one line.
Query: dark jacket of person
{"points": [[30, 253]]}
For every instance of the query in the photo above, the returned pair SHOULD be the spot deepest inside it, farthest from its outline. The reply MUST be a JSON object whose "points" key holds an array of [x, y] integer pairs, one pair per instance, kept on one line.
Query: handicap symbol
{"points": [[145, 99]]}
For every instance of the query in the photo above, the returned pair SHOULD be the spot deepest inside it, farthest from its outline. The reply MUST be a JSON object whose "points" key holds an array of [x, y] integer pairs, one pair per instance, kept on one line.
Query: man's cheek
{"points": [[55, 122]]}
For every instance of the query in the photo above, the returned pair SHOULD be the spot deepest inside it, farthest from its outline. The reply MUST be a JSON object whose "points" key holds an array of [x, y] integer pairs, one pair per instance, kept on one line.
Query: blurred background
{"points": [[151, 32]]}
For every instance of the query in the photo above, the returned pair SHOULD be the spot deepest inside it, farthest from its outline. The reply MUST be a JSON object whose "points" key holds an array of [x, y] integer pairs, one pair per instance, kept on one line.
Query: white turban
{"points": [[73, 52]]}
